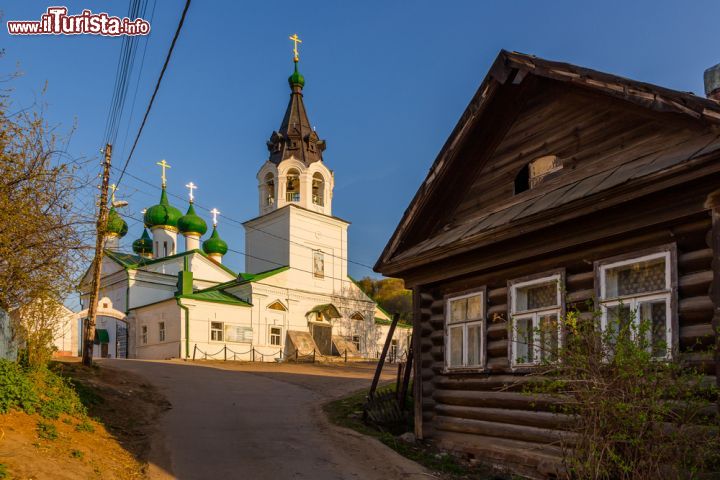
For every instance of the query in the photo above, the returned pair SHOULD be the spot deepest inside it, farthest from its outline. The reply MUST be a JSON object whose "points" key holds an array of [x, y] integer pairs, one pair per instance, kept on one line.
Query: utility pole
{"points": [[89, 336]]}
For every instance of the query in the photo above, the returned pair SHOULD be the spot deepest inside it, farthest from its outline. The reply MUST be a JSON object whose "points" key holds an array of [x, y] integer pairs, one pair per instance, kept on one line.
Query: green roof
{"points": [[382, 321], [163, 214], [101, 336], [215, 296], [191, 222], [132, 262], [254, 277]]}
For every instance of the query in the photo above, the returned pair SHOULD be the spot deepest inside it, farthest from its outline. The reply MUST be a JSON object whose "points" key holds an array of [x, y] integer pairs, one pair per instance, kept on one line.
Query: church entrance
{"points": [[322, 334]]}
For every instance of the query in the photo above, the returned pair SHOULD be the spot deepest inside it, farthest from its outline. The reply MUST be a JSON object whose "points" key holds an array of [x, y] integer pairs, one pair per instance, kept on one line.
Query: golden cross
{"points": [[163, 164], [112, 187], [294, 37], [191, 186], [215, 212]]}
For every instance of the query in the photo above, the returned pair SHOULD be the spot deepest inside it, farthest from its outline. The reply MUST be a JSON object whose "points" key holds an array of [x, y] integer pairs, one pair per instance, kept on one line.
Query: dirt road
{"points": [[261, 421]]}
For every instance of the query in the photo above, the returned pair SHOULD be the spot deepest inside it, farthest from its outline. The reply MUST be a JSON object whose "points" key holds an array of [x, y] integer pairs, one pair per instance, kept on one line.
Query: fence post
{"points": [[313, 355], [225, 352], [253, 354], [194, 350]]}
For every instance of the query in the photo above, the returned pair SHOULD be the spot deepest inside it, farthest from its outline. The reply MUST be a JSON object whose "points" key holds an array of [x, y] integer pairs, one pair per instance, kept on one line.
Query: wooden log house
{"points": [[559, 184]]}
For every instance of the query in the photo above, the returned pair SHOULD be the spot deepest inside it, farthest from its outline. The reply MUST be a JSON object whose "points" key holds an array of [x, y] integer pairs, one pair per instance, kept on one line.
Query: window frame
{"points": [[355, 340], [448, 324], [215, 330], [669, 294], [534, 314], [161, 331], [279, 335], [143, 334]]}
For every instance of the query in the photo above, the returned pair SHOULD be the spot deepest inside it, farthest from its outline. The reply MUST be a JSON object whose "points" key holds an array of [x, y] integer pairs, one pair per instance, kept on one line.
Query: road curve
{"points": [[262, 423]]}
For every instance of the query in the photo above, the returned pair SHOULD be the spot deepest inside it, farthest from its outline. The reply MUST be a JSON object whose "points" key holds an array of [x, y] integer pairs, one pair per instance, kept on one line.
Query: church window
{"points": [[357, 316], [269, 193], [277, 305], [292, 190], [161, 331], [393, 350], [318, 189], [216, 331], [318, 264], [356, 342], [143, 334], [165, 250], [275, 335]]}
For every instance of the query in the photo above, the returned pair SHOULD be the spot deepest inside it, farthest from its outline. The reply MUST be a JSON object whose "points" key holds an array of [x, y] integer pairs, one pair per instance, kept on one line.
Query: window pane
{"points": [[474, 339], [456, 345], [474, 307], [458, 310], [640, 277], [524, 351], [549, 332], [536, 296], [618, 320], [654, 316]]}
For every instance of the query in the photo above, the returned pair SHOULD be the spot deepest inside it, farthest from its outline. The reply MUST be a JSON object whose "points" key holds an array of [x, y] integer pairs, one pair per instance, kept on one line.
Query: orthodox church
{"points": [[294, 298]]}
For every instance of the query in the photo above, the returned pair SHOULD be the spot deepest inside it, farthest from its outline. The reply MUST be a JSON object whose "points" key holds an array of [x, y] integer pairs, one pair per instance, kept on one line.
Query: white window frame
{"points": [[355, 339], [161, 331], [215, 330], [534, 315], [279, 335], [636, 299], [143, 334], [449, 324]]}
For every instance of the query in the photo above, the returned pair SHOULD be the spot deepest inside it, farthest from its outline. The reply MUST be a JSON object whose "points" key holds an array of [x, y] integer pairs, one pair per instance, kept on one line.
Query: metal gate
{"points": [[121, 339]]}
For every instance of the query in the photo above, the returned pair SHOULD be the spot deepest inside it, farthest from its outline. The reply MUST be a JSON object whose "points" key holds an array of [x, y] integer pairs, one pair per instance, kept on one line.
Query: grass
{"points": [[47, 431], [347, 412], [4, 471]]}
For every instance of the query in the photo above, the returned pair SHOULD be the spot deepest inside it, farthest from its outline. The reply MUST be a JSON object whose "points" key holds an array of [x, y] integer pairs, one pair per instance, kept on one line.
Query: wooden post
{"points": [[713, 203], [296, 354], [313, 355], [346, 355], [101, 226], [253, 354], [225, 352], [194, 350], [381, 362], [406, 377]]}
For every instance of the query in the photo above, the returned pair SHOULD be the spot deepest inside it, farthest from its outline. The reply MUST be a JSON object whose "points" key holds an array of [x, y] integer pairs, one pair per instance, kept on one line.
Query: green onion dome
{"points": [[192, 223], [144, 244], [162, 214], [296, 78], [215, 244], [116, 226]]}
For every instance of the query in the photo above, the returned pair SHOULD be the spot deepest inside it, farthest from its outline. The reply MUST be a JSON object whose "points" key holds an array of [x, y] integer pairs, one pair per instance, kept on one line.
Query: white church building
{"points": [[295, 297]]}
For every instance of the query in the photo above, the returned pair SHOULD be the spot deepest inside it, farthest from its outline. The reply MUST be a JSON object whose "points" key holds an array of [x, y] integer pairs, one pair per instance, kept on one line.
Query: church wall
{"points": [[205, 270], [310, 233], [151, 316], [264, 237], [237, 333]]}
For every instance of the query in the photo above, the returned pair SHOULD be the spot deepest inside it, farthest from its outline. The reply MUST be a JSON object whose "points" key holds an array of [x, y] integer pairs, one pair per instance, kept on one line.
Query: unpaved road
{"points": [[261, 421]]}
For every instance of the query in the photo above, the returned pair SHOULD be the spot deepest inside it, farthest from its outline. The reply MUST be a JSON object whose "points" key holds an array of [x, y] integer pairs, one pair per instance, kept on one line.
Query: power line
{"points": [[155, 91], [241, 223]]}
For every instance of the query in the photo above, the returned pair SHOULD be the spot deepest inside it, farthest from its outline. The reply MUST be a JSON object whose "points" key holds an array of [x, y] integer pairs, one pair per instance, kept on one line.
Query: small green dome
{"points": [[144, 244], [115, 224], [296, 78], [192, 222], [163, 214], [215, 244]]}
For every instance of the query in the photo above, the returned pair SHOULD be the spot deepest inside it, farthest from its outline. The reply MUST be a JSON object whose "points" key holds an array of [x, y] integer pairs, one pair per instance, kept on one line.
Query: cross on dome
{"points": [[296, 54], [164, 165], [191, 186], [215, 212], [113, 188]]}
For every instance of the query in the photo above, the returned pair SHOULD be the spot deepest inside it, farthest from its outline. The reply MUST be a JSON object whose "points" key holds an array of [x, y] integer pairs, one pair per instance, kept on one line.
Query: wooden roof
{"points": [[642, 167]]}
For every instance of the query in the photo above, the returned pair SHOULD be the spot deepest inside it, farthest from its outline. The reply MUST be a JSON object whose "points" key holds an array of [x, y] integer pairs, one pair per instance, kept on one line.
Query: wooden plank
{"points": [[695, 260], [697, 283], [511, 400], [548, 420], [502, 430]]}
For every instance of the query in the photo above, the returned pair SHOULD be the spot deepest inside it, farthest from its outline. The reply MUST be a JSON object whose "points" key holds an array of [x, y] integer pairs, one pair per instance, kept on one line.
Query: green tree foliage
{"points": [[390, 294], [634, 414]]}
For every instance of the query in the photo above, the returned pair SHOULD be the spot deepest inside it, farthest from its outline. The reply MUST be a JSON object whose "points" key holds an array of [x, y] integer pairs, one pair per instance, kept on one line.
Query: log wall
{"points": [[484, 413]]}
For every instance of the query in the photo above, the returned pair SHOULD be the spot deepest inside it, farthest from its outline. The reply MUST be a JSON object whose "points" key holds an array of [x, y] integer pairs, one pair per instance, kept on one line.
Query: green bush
{"points": [[37, 390], [47, 431]]}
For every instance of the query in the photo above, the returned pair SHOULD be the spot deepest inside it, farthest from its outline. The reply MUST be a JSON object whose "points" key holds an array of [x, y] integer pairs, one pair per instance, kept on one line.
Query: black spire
{"points": [[295, 137]]}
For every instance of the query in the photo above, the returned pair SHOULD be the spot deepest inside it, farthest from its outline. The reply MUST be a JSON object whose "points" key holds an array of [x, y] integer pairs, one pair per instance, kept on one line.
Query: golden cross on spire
{"points": [[191, 186], [113, 188], [215, 212], [294, 37], [163, 164]]}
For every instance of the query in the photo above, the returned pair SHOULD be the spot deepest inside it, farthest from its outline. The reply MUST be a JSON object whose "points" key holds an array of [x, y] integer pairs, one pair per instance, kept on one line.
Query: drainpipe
{"points": [[187, 329]]}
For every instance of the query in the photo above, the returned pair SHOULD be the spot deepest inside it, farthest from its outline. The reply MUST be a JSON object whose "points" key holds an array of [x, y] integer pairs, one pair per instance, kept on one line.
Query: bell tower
{"points": [[295, 192]]}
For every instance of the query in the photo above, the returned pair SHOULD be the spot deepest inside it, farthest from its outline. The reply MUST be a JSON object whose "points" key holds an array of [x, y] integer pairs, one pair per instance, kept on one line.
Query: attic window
{"points": [[535, 172]]}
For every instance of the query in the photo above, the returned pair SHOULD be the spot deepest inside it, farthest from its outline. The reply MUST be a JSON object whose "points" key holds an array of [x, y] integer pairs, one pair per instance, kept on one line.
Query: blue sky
{"points": [[385, 83]]}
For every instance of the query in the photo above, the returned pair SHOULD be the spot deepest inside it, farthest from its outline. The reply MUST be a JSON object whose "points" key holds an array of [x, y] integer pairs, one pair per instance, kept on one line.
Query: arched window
{"points": [[277, 305], [357, 316], [292, 190], [269, 189], [318, 189]]}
